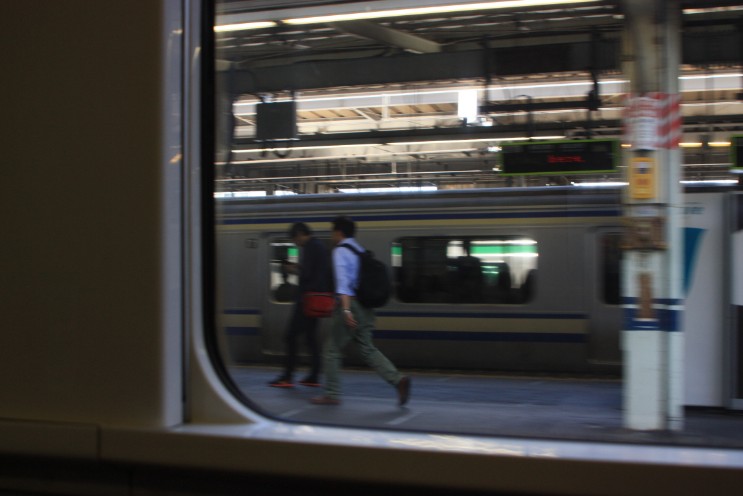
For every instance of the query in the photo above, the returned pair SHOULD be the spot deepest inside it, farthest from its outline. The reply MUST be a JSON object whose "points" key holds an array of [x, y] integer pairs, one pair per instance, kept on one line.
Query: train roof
{"points": [[537, 196], [505, 197]]}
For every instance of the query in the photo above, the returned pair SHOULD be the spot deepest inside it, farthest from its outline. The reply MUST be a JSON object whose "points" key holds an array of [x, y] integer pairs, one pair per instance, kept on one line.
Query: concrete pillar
{"points": [[652, 340]]}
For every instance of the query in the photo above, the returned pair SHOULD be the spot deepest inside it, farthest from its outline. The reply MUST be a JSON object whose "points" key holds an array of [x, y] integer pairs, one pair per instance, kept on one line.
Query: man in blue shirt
{"points": [[352, 321]]}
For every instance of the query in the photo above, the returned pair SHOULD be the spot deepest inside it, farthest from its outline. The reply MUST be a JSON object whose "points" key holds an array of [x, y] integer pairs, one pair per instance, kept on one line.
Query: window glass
{"points": [[465, 270], [610, 268], [284, 283], [310, 108]]}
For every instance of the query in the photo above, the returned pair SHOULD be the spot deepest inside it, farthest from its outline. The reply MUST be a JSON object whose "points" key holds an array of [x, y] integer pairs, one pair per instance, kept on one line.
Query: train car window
{"points": [[284, 280], [610, 268], [494, 270]]}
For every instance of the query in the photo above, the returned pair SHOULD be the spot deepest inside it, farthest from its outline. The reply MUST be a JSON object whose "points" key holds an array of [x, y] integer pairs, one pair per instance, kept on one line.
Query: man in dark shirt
{"points": [[314, 275]]}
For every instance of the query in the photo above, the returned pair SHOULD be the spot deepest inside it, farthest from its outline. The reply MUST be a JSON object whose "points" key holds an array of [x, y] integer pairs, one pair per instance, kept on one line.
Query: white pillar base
{"points": [[645, 384]]}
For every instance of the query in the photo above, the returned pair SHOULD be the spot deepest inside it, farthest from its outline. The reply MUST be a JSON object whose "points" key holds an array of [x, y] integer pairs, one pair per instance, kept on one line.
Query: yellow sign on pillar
{"points": [[642, 178]]}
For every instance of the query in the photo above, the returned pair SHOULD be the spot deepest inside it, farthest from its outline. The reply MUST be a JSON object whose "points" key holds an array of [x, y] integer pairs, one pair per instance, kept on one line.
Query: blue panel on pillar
{"points": [[666, 312]]}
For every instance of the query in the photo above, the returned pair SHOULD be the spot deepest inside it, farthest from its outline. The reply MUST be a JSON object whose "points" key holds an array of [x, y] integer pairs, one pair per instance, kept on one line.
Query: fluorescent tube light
{"points": [[467, 105], [401, 189], [605, 184], [238, 194], [718, 182], [478, 140], [440, 9], [244, 26]]}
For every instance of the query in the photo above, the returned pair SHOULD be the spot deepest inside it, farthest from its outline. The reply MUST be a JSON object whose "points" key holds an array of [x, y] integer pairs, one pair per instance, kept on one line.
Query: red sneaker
{"points": [[281, 383]]}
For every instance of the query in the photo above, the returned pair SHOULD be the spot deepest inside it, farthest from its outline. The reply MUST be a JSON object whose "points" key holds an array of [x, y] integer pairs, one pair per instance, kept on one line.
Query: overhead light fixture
{"points": [[401, 143], [238, 194], [303, 148], [438, 9], [355, 156], [602, 184], [718, 182], [391, 189], [710, 76], [245, 26], [467, 105], [477, 140], [446, 142], [711, 9]]}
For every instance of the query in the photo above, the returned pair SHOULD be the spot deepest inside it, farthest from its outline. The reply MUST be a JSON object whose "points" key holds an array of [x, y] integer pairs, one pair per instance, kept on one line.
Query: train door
{"points": [[281, 293], [735, 368], [604, 262]]}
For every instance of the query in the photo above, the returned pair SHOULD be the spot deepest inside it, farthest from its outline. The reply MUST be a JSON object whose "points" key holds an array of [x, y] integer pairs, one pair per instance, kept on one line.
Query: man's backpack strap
{"points": [[344, 245]]}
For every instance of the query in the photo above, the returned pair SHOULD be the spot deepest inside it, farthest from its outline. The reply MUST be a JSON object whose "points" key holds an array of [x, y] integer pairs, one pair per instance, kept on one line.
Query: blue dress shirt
{"points": [[346, 267]]}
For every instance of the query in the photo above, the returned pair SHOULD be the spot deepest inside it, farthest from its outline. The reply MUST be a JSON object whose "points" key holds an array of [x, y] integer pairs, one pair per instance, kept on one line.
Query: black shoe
{"points": [[282, 382], [325, 400], [403, 390]]}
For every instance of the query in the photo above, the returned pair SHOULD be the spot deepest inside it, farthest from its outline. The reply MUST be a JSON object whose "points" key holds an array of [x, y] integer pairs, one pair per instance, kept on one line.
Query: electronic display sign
{"points": [[561, 157]]}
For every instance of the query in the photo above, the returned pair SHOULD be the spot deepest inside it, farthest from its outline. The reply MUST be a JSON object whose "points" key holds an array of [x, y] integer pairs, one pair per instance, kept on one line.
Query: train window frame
{"points": [[208, 182], [463, 274]]}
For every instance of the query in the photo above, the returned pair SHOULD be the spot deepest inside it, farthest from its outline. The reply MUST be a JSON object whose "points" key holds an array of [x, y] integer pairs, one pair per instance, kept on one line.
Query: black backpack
{"points": [[374, 285]]}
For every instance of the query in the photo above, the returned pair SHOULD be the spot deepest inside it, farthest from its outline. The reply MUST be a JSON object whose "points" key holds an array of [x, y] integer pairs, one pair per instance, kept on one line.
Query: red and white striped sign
{"points": [[653, 121]]}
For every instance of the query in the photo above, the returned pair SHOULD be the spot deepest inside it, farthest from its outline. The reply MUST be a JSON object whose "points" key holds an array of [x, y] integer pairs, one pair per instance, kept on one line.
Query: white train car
{"points": [[509, 279]]}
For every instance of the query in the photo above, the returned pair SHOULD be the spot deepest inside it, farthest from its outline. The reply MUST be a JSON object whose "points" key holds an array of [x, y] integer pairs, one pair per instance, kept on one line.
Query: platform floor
{"points": [[501, 405]]}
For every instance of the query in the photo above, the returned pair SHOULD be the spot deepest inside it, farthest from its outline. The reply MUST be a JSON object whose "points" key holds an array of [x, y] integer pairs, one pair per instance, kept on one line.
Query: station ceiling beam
{"points": [[388, 36], [719, 44], [409, 68]]}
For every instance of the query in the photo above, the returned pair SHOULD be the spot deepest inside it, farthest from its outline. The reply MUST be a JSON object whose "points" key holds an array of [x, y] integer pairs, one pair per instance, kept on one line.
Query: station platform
{"points": [[560, 408]]}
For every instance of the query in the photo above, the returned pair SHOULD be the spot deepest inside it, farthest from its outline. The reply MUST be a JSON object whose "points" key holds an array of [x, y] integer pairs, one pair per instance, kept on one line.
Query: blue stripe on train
{"points": [[484, 315], [455, 315], [509, 337], [240, 311], [242, 331]]}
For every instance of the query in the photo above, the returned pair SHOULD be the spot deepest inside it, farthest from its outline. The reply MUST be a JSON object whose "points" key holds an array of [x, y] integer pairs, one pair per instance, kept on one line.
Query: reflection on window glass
{"points": [[283, 283], [611, 265], [465, 270], [283, 279]]}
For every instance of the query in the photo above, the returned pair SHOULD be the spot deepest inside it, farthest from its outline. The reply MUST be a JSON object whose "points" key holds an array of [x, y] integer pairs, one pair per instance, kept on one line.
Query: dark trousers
{"points": [[299, 324], [340, 335]]}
